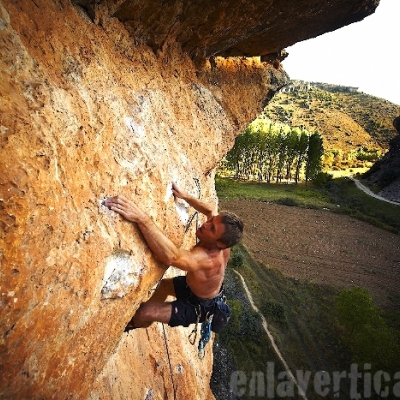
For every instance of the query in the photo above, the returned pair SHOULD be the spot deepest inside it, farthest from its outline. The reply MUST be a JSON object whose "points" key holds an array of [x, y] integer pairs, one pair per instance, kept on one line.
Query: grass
{"points": [[338, 195], [303, 317], [304, 321], [358, 204], [299, 317]]}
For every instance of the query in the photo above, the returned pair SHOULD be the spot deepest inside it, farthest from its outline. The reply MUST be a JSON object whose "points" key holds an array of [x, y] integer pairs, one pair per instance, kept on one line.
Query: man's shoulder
{"points": [[214, 251]]}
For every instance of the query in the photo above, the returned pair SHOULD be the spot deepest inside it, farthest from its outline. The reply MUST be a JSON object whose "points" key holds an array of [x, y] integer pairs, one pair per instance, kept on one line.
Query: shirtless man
{"points": [[204, 264]]}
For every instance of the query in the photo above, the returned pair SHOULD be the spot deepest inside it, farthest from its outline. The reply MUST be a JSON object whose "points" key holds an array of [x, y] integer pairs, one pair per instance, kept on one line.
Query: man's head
{"points": [[233, 229], [224, 229]]}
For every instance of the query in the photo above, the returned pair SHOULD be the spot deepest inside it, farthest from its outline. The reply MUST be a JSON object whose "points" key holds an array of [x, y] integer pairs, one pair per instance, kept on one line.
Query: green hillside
{"points": [[349, 121]]}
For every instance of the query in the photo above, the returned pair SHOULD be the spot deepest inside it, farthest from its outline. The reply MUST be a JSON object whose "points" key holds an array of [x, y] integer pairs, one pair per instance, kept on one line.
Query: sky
{"points": [[365, 54]]}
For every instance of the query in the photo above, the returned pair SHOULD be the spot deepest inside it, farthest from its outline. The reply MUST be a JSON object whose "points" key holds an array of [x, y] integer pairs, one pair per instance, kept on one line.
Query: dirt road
{"points": [[371, 193]]}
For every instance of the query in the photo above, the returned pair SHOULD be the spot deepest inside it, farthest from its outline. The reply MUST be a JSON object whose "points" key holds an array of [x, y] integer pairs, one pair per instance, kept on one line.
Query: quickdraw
{"points": [[205, 333], [205, 337], [190, 221], [193, 335]]}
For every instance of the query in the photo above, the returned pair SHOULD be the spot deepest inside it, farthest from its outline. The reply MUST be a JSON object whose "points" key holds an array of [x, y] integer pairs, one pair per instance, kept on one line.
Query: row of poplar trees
{"points": [[270, 151]]}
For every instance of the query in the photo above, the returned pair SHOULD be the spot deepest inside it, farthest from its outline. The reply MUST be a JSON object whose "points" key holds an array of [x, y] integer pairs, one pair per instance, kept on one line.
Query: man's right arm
{"points": [[205, 208], [161, 246]]}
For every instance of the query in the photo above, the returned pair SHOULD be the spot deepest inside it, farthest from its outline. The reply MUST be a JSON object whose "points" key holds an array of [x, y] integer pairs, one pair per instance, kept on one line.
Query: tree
{"points": [[234, 156], [365, 332], [261, 132], [315, 152], [282, 154], [292, 138], [268, 150], [272, 150], [301, 152]]}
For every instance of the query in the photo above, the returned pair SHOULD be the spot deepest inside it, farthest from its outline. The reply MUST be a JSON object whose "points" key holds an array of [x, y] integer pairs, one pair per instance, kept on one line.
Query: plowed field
{"points": [[322, 247]]}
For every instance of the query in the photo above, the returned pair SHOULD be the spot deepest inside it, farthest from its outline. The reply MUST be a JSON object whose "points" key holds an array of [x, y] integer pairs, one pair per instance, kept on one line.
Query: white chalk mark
{"points": [[136, 129], [120, 275], [182, 208]]}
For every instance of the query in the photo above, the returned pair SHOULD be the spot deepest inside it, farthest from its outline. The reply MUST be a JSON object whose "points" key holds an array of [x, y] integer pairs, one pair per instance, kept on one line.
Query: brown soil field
{"points": [[322, 247]]}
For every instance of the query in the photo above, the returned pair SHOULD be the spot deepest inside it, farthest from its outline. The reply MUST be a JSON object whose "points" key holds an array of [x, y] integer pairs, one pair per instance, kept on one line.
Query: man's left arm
{"points": [[209, 210]]}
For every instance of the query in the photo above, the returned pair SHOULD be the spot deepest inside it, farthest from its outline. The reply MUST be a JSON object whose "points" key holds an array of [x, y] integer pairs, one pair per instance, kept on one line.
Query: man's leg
{"points": [[149, 312], [155, 309], [164, 289]]}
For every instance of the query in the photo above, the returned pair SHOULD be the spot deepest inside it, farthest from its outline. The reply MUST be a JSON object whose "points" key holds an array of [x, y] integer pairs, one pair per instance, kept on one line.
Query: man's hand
{"points": [[126, 208], [178, 192], [161, 246], [207, 209]]}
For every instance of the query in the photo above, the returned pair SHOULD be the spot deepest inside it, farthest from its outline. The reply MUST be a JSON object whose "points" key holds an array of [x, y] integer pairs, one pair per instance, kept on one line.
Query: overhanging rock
{"points": [[114, 104], [229, 27]]}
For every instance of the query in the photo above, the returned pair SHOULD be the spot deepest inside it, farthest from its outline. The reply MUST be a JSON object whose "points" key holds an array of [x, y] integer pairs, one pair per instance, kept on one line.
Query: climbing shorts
{"points": [[187, 306]]}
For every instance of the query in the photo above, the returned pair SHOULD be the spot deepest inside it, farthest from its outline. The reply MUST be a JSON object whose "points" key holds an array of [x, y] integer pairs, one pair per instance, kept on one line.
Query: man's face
{"points": [[212, 230]]}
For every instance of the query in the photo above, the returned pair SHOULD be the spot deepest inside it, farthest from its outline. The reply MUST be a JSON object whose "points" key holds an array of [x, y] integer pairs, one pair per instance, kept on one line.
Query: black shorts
{"points": [[187, 306]]}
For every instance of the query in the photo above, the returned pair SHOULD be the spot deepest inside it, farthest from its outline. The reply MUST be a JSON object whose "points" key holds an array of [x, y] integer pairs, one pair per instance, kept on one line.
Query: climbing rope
{"points": [[169, 361], [206, 325], [195, 214]]}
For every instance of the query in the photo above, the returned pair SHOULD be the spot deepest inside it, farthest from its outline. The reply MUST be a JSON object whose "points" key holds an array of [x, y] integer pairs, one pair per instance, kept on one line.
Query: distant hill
{"points": [[348, 120]]}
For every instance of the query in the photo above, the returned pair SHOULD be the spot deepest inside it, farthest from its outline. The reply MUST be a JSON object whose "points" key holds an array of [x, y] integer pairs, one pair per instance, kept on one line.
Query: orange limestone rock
{"points": [[88, 109]]}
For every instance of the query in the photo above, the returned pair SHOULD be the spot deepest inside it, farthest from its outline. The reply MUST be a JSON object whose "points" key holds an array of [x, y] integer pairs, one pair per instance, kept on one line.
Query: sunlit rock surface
{"points": [[91, 107]]}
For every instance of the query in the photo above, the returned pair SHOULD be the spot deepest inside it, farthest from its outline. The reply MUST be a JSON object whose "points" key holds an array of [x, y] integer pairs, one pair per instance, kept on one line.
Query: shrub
{"points": [[365, 332], [237, 259], [287, 201], [322, 179], [273, 309], [233, 327]]}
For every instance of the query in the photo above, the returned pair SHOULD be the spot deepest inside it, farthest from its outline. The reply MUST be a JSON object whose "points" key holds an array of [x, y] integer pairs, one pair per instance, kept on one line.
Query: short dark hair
{"points": [[233, 229]]}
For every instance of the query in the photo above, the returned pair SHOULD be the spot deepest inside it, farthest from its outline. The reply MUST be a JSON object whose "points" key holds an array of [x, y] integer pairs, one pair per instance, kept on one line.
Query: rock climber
{"points": [[199, 293]]}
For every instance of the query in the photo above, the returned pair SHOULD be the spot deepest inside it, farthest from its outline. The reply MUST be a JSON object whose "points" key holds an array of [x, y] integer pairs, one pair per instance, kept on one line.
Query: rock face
{"points": [[386, 172], [104, 97]]}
